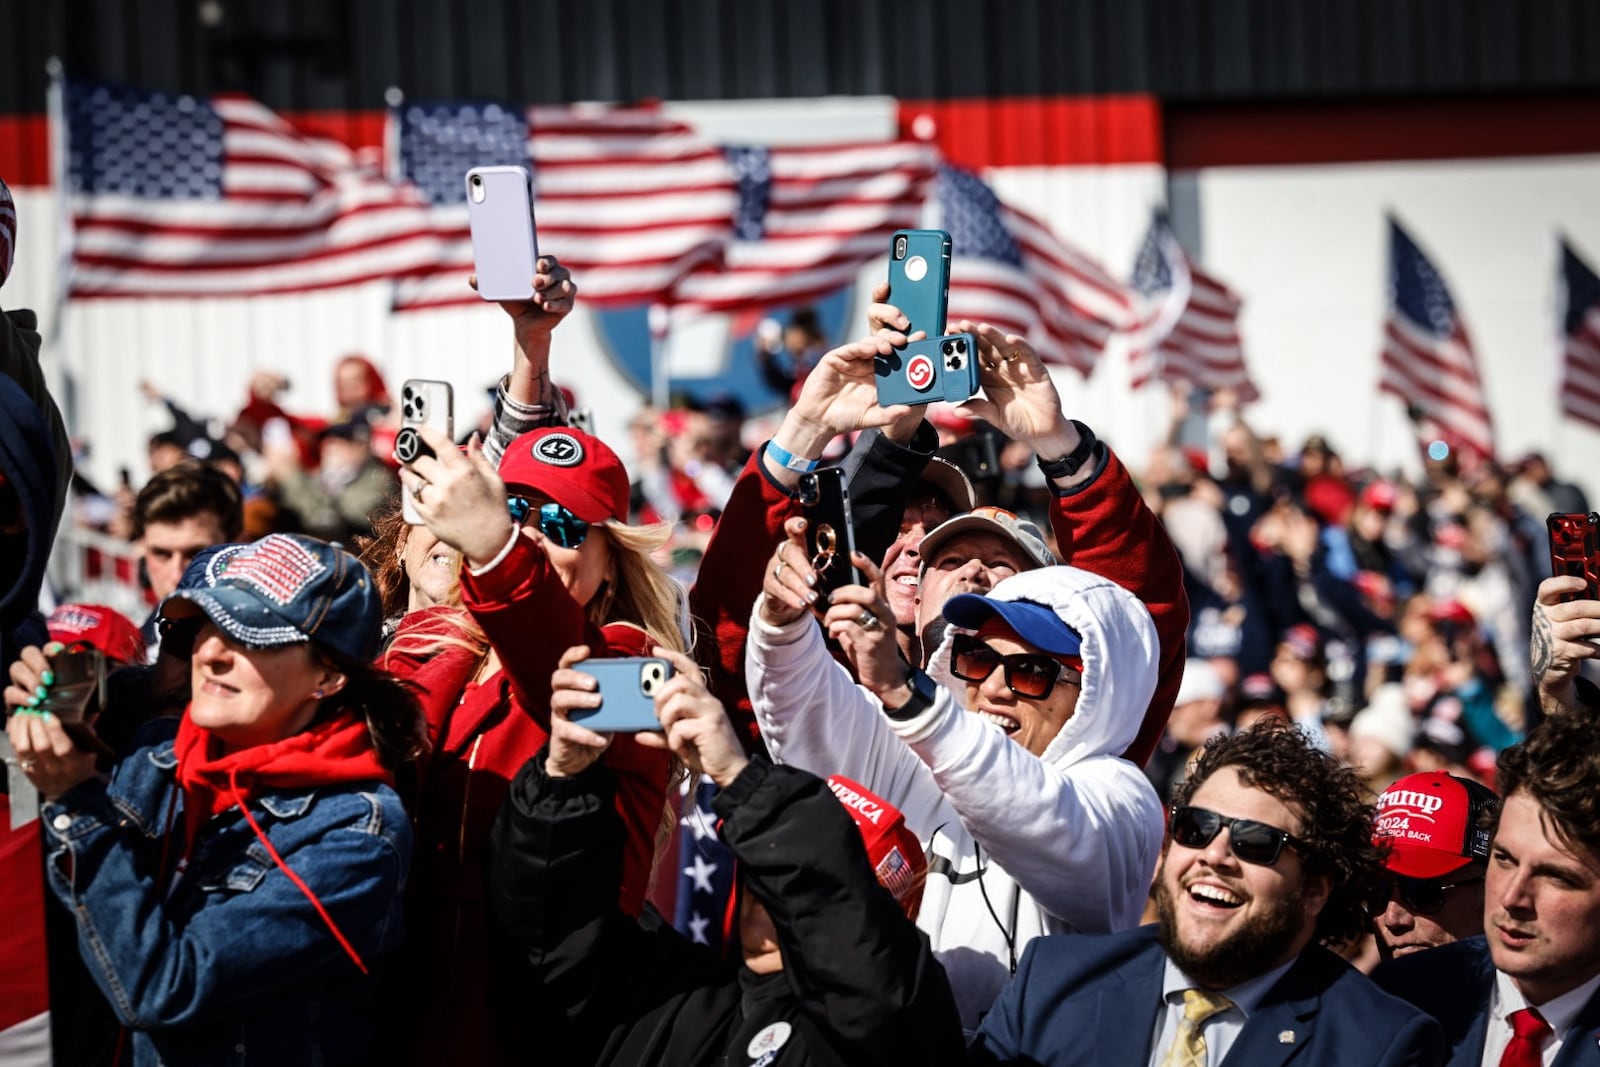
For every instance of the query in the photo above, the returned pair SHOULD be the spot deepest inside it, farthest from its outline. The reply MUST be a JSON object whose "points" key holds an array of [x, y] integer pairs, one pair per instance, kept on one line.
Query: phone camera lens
{"points": [[949, 348], [899, 248], [477, 179]]}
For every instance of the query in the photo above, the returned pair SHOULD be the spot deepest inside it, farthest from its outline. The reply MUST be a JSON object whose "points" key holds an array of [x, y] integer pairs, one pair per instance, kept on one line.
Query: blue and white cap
{"points": [[284, 589]]}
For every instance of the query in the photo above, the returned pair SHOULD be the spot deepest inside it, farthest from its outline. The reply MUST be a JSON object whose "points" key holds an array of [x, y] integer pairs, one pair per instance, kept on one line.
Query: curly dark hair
{"points": [[1335, 822], [1558, 766]]}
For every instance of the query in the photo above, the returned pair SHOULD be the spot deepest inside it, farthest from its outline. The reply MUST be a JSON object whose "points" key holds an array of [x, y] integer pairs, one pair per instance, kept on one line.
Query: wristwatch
{"points": [[923, 690], [1069, 464]]}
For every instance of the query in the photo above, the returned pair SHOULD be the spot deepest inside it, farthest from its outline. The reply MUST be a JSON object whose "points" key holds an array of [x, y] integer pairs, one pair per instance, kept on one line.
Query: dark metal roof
{"points": [[343, 54]]}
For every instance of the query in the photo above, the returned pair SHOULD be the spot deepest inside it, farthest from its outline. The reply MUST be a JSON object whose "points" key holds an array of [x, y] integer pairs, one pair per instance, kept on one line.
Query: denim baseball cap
{"points": [[284, 589], [1036, 624]]}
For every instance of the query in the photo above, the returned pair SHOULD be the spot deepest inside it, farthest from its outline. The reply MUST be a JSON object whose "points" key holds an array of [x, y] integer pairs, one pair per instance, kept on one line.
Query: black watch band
{"points": [[923, 690], [1073, 461]]}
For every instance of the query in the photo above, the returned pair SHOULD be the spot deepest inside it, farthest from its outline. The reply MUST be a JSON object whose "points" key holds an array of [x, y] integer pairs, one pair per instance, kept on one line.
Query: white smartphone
{"points": [[505, 248], [423, 402]]}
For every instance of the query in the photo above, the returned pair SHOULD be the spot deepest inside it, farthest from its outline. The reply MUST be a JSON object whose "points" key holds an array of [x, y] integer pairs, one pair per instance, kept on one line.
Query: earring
{"points": [[317, 695]]}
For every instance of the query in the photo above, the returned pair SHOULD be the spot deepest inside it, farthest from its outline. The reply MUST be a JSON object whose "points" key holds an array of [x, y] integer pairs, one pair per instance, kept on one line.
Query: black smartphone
{"points": [[78, 694], [830, 537], [1575, 549]]}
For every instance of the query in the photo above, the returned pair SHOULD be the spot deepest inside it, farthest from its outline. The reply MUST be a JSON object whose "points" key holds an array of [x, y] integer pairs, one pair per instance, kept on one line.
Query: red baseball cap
{"points": [[893, 850], [1431, 823], [99, 627], [575, 469], [1379, 495]]}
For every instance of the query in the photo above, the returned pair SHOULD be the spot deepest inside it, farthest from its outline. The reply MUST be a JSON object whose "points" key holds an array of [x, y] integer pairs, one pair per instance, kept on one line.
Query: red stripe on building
{"points": [[1039, 131]]}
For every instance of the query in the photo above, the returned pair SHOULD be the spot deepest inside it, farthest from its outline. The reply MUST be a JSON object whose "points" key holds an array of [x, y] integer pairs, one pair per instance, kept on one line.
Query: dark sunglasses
{"points": [[1253, 842], [1028, 674], [1419, 896], [555, 522]]}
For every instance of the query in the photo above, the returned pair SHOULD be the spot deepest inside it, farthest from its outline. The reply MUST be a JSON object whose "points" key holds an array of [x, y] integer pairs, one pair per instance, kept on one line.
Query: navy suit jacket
{"points": [[1454, 983], [1093, 999]]}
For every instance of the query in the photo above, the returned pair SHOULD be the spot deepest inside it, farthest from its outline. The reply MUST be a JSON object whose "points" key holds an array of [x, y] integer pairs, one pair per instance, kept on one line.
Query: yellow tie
{"points": [[1189, 1045]]}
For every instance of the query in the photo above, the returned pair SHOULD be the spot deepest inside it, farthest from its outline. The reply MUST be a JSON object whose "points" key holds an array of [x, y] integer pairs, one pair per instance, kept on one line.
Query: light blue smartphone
{"points": [[505, 248], [919, 278], [628, 688]]}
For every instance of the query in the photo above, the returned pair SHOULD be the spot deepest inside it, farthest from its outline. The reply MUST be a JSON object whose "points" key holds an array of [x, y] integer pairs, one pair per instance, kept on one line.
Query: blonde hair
{"points": [[636, 591]]}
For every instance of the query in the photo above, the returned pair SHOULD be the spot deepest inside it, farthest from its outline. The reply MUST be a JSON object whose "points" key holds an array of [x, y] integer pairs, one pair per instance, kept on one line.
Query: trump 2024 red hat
{"points": [[1431, 823], [893, 850]]}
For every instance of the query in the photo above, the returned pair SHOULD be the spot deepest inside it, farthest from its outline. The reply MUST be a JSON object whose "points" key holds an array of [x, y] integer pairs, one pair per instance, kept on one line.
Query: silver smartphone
{"points": [[505, 248], [423, 402]]}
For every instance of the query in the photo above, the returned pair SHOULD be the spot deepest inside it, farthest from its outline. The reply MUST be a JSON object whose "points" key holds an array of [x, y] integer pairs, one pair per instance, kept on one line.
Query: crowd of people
{"points": [[1232, 756]]}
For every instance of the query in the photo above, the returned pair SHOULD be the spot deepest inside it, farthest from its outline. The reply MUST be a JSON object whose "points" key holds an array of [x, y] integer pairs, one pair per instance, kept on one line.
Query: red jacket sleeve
{"points": [[1105, 527], [530, 619], [730, 577]]}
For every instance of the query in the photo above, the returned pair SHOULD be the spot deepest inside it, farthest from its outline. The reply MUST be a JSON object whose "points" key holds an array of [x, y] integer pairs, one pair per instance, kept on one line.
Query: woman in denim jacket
{"points": [[236, 878]]}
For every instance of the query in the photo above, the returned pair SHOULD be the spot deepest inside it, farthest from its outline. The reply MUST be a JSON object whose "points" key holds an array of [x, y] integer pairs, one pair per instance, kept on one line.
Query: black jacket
{"points": [[859, 985]]}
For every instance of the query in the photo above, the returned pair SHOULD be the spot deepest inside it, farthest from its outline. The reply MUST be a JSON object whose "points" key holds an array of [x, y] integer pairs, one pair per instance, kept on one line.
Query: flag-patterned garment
{"points": [[184, 197], [1009, 269], [1427, 357], [627, 198], [1580, 339], [809, 217], [705, 870], [1189, 329]]}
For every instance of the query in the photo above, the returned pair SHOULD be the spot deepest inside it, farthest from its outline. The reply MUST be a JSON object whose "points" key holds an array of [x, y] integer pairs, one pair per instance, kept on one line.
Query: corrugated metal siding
{"points": [[342, 54]]}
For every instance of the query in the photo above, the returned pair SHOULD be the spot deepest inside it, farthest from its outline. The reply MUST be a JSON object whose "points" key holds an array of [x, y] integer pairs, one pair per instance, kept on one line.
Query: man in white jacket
{"points": [[1032, 821]]}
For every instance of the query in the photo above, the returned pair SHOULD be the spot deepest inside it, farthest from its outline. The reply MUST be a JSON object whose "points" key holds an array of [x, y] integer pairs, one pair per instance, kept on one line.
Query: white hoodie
{"points": [[1069, 840]]}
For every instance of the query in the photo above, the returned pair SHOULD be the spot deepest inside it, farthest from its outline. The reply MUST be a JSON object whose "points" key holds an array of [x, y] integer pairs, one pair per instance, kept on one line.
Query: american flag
{"points": [[1580, 347], [181, 196], [1189, 330], [808, 218], [705, 870], [627, 198], [1009, 270], [1427, 358]]}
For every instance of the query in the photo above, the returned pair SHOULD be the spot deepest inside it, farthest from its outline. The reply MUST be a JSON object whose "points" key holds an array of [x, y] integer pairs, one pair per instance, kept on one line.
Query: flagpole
{"points": [[394, 97], [56, 122], [660, 318]]}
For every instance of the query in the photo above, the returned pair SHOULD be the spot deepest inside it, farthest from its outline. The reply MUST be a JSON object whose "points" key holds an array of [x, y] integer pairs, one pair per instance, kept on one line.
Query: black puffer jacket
{"points": [[860, 984]]}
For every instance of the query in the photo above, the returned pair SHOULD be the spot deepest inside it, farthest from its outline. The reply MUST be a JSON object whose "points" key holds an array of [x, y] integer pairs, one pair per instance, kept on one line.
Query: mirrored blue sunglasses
{"points": [[555, 522]]}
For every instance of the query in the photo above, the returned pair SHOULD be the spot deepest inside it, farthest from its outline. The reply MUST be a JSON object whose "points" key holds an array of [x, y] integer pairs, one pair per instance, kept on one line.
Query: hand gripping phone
{"points": [[423, 402], [78, 694], [935, 368], [1575, 550], [505, 249], [919, 278], [628, 689], [830, 537]]}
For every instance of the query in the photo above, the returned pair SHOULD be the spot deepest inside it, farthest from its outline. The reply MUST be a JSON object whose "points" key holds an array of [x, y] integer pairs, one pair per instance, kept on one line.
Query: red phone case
{"points": [[1575, 549]]}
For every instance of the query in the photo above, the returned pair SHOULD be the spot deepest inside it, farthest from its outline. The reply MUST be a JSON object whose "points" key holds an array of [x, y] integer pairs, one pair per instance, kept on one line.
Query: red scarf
{"points": [[329, 753], [335, 752]]}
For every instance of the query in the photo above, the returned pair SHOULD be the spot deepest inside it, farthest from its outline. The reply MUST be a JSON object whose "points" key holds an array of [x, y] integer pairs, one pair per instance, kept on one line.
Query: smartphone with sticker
{"points": [[919, 278], [505, 246], [830, 536], [423, 402], [628, 688], [933, 369], [1575, 550]]}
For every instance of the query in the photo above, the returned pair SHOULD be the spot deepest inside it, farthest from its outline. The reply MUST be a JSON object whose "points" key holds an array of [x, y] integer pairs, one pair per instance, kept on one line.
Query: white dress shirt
{"points": [[1559, 1013]]}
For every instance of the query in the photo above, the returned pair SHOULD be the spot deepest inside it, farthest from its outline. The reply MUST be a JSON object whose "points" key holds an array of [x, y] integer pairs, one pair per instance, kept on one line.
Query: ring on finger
{"points": [[416, 489], [777, 571], [27, 764], [867, 620]]}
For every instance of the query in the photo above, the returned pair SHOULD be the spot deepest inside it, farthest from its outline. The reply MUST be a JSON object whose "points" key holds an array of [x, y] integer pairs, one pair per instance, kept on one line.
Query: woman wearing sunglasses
{"points": [[546, 561]]}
